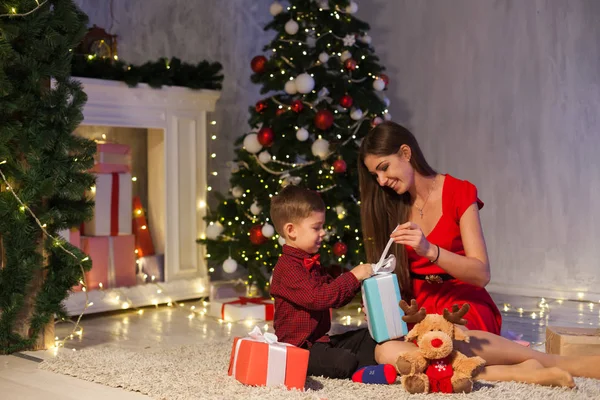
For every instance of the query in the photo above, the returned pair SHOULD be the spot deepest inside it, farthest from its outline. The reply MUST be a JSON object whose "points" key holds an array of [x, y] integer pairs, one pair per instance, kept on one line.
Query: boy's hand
{"points": [[362, 271]]}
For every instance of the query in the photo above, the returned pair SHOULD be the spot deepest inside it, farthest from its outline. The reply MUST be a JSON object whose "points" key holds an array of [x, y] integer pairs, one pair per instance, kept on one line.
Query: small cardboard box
{"points": [[566, 341]]}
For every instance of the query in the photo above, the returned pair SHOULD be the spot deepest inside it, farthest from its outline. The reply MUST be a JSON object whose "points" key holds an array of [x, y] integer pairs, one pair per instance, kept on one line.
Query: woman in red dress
{"points": [[441, 256]]}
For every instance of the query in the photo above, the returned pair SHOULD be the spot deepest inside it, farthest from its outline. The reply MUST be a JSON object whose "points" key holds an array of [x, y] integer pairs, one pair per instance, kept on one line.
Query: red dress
{"points": [[457, 196]]}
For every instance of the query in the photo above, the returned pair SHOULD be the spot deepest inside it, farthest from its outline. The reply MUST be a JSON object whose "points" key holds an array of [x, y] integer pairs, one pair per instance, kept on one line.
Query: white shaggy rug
{"points": [[200, 372]]}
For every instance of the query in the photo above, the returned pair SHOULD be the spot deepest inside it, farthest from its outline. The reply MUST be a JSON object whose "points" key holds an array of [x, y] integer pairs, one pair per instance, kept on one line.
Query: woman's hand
{"points": [[410, 234]]}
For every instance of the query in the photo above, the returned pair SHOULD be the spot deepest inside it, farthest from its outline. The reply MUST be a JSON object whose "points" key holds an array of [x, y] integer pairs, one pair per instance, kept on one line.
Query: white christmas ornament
{"points": [[255, 209], [251, 143], [290, 87], [291, 27], [352, 8], [311, 41], [275, 9], [345, 55], [230, 265], [366, 39], [268, 230], [323, 57], [281, 240], [349, 40], [302, 134], [377, 121], [387, 116], [264, 157], [320, 148], [378, 84], [237, 192], [356, 114], [386, 101], [213, 231], [304, 83]]}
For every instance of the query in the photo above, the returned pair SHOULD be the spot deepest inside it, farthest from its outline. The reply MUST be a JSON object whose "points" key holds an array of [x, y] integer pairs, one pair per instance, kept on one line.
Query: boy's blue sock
{"points": [[383, 374]]}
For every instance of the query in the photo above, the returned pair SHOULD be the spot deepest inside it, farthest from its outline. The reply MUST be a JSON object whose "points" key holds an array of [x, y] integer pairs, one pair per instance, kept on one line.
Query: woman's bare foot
{"points": [[532, 371]]}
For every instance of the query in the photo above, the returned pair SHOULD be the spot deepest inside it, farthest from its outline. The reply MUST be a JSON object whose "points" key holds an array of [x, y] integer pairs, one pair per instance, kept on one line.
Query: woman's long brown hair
{"points": [[382, 209]]}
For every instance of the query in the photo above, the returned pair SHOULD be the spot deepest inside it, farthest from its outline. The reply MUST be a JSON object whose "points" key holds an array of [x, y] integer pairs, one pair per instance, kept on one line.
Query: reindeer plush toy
{"points": [[436, 367]]}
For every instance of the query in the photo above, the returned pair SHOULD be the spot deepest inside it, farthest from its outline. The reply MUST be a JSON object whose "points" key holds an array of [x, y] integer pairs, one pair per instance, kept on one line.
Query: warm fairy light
{"points": [[116, 57], [93, 189], [134, 178], [580, 295], [213, 122], [125, 305], [140, 312], [144, 227], [138, 212]]}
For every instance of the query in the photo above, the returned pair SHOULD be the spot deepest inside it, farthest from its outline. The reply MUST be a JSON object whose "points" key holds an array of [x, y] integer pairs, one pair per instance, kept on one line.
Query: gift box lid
{"points": [[114, 148]]}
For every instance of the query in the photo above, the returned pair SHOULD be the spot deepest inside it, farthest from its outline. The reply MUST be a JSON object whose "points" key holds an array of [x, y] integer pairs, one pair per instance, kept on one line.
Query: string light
{"points": [[58, 243]]}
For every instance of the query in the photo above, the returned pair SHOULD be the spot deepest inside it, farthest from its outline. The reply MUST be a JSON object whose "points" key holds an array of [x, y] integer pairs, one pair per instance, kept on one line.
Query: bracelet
{"points": [[438, 255]]}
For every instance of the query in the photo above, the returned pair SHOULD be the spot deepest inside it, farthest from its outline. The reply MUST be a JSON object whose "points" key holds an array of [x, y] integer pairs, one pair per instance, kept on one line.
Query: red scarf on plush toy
{"points": [[440, 374]]}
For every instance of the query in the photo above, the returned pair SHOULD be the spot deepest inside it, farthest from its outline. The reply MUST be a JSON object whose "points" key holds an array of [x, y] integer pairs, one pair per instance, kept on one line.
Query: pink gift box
{"points": [[113, 261], [112, 157], [72, 236], [113, 209]]}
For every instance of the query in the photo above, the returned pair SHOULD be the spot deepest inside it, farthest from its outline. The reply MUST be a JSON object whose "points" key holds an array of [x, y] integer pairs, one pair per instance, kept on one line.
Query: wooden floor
{"points": [[20, 379]]}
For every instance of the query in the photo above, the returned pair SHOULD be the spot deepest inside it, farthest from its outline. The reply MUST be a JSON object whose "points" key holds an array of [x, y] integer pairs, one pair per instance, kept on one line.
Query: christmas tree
{"points": [[323, 90], [42, 167]]}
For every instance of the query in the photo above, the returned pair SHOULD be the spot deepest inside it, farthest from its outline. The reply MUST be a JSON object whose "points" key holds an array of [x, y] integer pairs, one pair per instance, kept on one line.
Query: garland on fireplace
{"points": [[164, 72]]}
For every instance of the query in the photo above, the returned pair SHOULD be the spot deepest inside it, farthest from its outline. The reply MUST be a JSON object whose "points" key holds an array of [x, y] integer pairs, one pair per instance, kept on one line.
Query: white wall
{"points": [[506, 94]]}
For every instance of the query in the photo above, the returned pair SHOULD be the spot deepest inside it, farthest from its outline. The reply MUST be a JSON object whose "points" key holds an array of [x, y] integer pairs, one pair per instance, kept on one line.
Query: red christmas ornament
{"points": [[266, 136], [350, 64], [384, 78], [339, 249], [261, 106], [324, 119], [256, 235], [258, 64], [280, 111], [339, 166], [346, 101], [297, 106]]}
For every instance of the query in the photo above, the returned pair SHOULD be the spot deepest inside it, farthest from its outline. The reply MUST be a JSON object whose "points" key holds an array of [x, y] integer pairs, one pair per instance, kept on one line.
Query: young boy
{"points": [[304, 293]]}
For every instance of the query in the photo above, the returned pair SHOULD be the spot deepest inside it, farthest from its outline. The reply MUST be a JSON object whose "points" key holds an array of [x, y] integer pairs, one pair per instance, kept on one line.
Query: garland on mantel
{"points": [[163, 72]]}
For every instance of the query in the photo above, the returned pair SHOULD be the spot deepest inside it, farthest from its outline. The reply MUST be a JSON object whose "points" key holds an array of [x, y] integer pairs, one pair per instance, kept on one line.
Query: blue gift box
{"points": [[381, 296]]}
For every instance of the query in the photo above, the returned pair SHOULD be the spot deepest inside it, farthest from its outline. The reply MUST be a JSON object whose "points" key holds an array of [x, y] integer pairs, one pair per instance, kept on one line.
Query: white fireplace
{"points": [[176, 120]]}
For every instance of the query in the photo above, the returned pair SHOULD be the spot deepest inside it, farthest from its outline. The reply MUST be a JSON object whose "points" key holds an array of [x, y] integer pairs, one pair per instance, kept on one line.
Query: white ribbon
{"points": [[276, 359], [385, 265]]}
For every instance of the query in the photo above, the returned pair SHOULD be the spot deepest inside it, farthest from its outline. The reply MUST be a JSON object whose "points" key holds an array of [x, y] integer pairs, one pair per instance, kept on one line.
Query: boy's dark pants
{"points": [[343, 355]]}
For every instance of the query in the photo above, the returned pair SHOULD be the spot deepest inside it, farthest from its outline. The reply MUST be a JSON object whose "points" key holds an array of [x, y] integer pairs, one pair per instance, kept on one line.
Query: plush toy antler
{"points": [[411, 315], [456, 317], [436, 366]]}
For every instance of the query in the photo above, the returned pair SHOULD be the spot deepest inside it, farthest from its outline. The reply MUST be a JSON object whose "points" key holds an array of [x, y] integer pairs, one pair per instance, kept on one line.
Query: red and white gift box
{"points": [[113, 261], [260, 360], [112, 211], [112, 157], [239, 308], [72, 236]]}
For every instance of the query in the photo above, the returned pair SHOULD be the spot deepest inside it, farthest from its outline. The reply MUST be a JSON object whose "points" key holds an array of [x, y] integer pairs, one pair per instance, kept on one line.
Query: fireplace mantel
{"points": [[177, 183]]}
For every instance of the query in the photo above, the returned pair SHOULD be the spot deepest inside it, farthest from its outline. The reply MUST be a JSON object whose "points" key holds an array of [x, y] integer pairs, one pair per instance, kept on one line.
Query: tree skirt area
{"points": [[200, 372]]}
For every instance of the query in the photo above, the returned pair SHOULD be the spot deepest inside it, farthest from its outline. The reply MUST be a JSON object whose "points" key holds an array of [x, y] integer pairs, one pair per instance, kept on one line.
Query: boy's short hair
{"points": [[294, 203]]}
